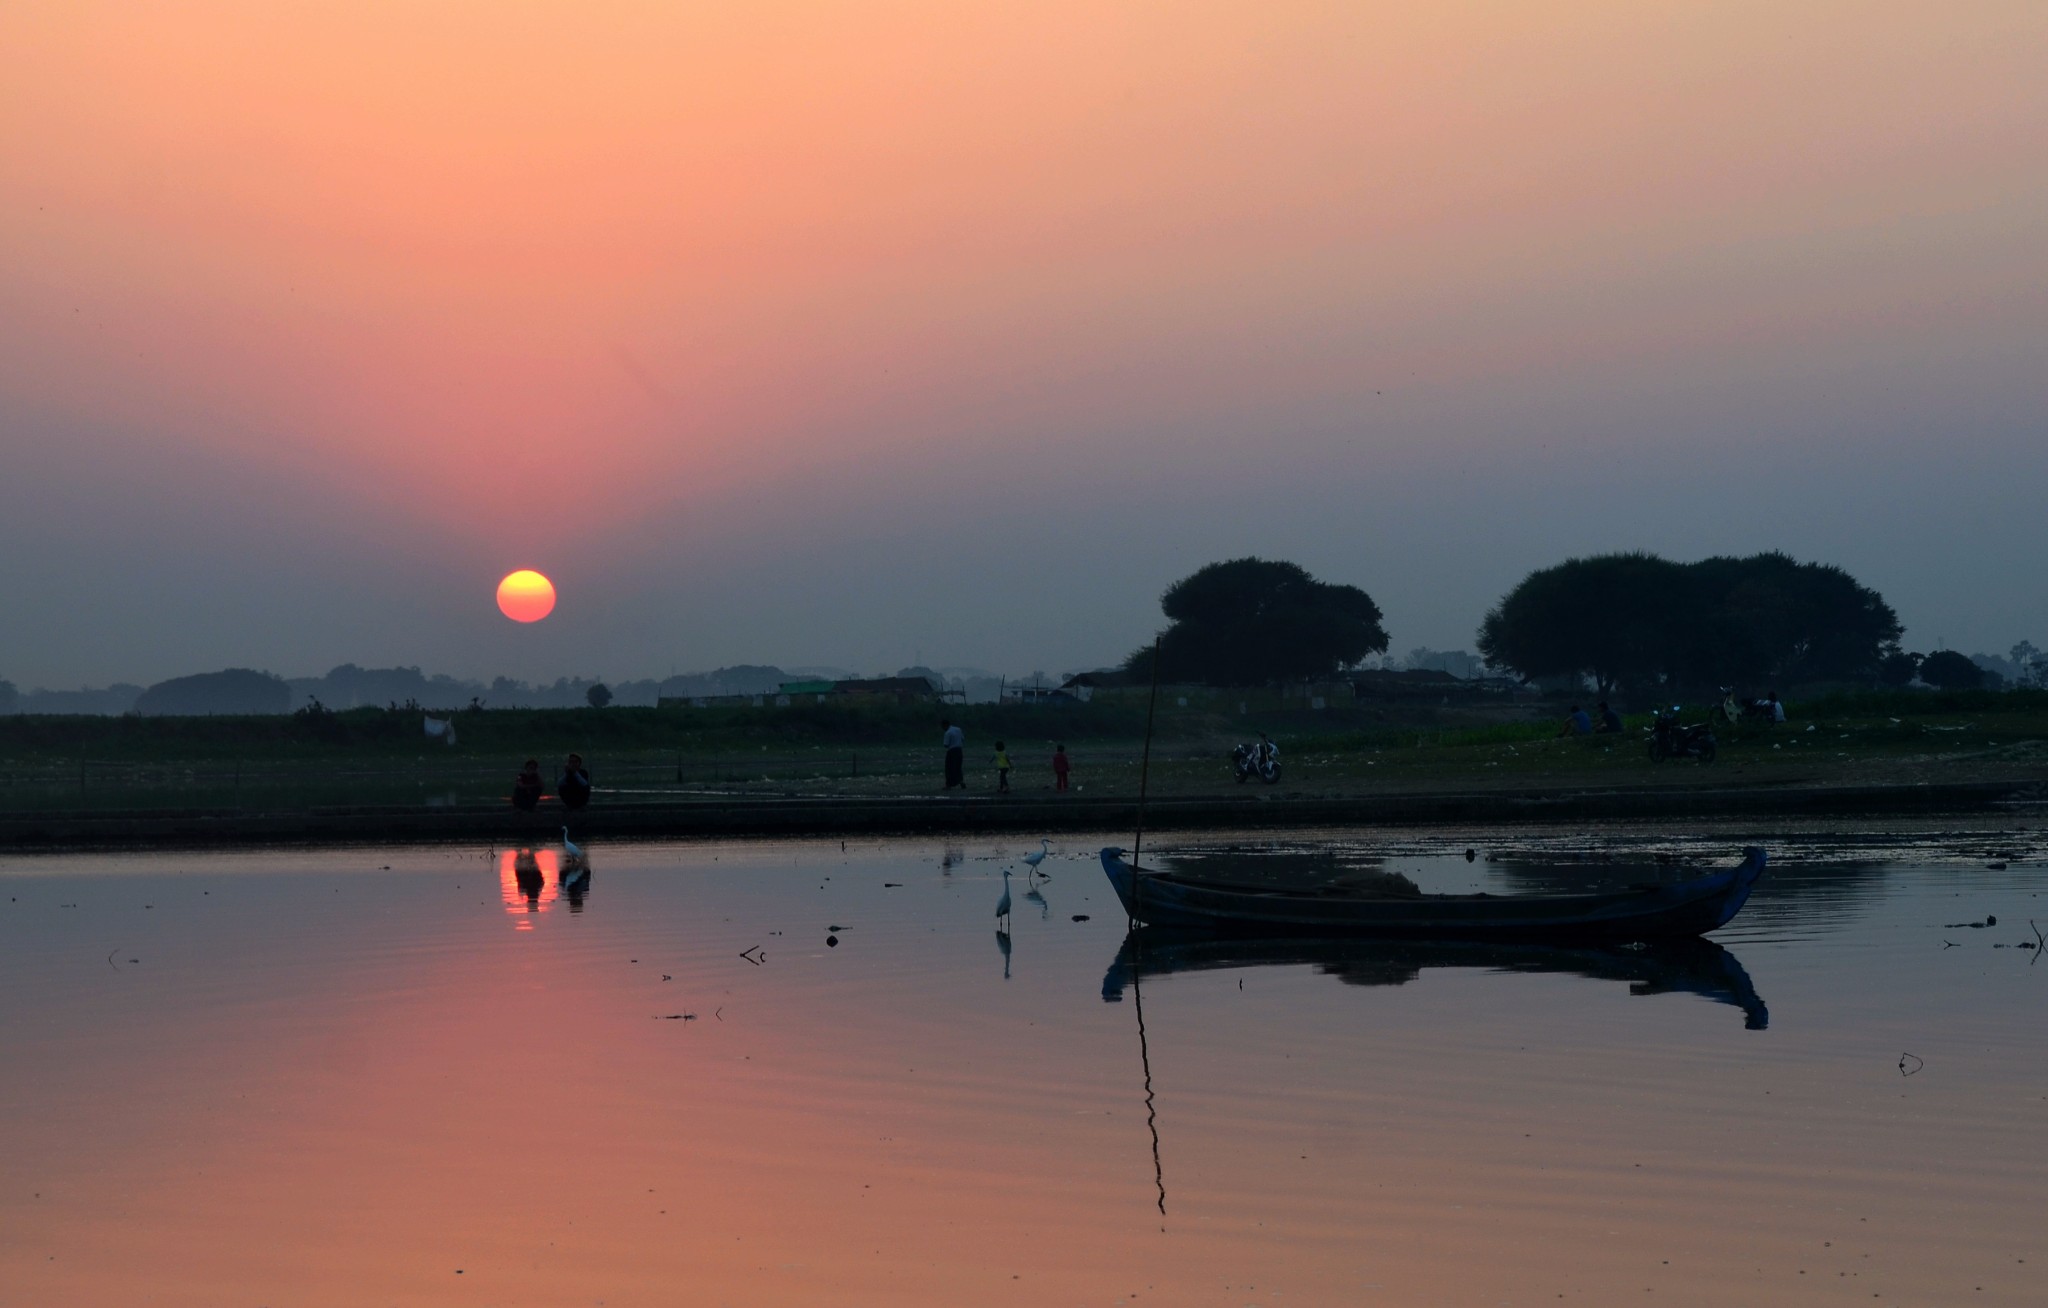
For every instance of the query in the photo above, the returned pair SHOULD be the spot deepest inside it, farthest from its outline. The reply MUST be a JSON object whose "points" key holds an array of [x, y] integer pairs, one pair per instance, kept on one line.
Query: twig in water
{"points": [[110, 958], [749, 954], [1948, 944], [1916, 1061]]}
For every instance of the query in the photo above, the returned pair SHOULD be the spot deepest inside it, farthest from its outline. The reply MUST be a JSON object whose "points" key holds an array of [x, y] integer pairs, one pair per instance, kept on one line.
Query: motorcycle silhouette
{"points": [[1672, 739], [1261, 760]]}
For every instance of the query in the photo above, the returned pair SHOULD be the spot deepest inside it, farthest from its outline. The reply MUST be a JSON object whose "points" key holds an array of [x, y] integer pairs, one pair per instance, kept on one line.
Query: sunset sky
{"points": [[868, 333]]}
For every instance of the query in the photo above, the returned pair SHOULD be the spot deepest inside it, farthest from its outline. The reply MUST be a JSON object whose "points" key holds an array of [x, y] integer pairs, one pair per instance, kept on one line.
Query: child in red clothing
{"points": [[1060, 767]]}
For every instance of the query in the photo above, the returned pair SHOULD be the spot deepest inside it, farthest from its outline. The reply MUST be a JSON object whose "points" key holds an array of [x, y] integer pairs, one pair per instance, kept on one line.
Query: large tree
{"points": [[1638, 621], [1253, 621], [1614, 618], [1769, 617], [1945, 669]]}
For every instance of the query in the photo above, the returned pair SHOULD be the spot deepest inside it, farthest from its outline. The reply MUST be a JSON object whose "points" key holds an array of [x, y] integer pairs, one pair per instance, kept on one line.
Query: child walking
{"points": [[1060, 766], [1002, 769]]}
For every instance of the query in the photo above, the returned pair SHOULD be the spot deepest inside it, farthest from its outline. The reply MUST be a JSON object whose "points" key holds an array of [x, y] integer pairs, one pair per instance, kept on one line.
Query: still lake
{"points": [[434, 1075]]}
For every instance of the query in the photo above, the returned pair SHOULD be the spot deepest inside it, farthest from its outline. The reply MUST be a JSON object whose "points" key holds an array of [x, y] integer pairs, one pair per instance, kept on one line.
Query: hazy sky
{"points": [[862, 333]]}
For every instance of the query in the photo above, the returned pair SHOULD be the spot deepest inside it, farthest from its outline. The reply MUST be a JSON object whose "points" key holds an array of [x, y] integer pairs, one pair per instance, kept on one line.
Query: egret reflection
{"points": [[574, 879]]}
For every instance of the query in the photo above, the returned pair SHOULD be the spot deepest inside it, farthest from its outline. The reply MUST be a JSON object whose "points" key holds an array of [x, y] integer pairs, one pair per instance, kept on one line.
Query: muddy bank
{"points": [[894, 816]]}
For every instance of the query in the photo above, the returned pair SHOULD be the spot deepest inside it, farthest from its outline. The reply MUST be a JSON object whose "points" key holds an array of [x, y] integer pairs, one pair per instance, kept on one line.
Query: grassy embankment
{"points": [[372, 756]]}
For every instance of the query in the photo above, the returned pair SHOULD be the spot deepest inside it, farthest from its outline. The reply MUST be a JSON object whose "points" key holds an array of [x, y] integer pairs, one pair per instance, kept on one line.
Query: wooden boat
{"points": [[1629, 915], [1683, 966]]}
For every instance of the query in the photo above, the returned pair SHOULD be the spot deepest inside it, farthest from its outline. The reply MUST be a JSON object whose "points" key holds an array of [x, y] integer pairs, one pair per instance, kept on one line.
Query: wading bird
{"points": [[1033, 860], [570, 847]]}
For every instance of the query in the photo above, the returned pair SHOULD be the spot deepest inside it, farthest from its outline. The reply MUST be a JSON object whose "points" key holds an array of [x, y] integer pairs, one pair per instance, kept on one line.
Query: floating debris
{"points": [[1910, 1063]]}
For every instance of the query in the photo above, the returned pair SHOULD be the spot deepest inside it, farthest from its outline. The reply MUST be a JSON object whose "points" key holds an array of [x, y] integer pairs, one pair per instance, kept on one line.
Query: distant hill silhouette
{"points": [[236, 690], [740, 679]]}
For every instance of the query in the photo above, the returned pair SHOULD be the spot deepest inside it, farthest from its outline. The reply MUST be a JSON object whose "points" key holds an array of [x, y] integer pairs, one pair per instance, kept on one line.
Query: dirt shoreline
{"points": [[840, 816]]}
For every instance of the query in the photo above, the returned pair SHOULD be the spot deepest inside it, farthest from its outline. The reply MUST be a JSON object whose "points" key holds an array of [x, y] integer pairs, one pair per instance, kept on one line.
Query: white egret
{"points": [[1033, 860], [1003, 904], [570, 847]]}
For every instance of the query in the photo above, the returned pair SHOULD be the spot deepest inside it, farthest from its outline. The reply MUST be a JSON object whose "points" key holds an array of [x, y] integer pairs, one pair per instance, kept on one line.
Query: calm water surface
{"points": [[440, 1076]]}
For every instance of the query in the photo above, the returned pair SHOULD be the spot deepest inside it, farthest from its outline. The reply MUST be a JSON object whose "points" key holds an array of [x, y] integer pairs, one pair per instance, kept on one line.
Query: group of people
{"points": [[955, 743], [1580, 723], [572, 787]]}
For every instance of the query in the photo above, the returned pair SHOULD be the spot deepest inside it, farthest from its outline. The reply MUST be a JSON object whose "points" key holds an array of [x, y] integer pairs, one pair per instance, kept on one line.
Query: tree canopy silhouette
{"points": [[1946, 669], [234, 690], [1637, 621], [1251, 621]]}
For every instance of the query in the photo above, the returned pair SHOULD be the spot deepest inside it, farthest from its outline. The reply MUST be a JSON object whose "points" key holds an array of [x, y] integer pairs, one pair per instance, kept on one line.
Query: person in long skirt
{"points": [[956, 755]]}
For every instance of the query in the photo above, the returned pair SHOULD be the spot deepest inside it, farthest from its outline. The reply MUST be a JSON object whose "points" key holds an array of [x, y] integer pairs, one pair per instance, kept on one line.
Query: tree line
{"points": [[1629, 622]]}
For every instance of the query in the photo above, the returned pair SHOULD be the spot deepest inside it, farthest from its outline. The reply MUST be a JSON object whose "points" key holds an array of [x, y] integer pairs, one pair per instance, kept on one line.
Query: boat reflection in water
{"points": [[1686, 966]]}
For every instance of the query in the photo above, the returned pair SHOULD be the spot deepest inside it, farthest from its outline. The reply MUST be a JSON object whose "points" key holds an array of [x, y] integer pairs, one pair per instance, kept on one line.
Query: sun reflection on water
{"points": [[529, 881]]}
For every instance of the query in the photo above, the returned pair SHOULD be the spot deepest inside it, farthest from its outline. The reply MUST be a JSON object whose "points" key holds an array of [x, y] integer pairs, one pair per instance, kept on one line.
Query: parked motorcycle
{"points": [[1732, 710], [1261, 760], [1672, 739]]}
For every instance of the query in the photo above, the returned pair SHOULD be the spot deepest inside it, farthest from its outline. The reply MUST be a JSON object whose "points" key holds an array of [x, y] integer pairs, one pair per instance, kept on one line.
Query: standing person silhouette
{"points": [[956, 754], [573, 786], [1060, 766], [527, 786]]}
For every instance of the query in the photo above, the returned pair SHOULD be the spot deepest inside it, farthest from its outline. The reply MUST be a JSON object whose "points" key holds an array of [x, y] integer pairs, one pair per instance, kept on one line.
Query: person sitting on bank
{"points": [[1610, 721], [573, 787], [526, 787], [1577, 723]]}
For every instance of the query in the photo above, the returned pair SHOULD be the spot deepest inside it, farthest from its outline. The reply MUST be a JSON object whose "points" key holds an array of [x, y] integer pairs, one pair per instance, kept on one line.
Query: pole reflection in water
{"points": [[1145, 1062]]}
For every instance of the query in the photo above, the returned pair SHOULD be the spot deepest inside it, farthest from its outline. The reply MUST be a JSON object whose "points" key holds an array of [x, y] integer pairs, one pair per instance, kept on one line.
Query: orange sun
{"points": [[526, 596]]}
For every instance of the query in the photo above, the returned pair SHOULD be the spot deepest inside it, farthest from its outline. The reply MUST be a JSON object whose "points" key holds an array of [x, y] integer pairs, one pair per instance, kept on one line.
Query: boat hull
{"points": [[1659, 912]]}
